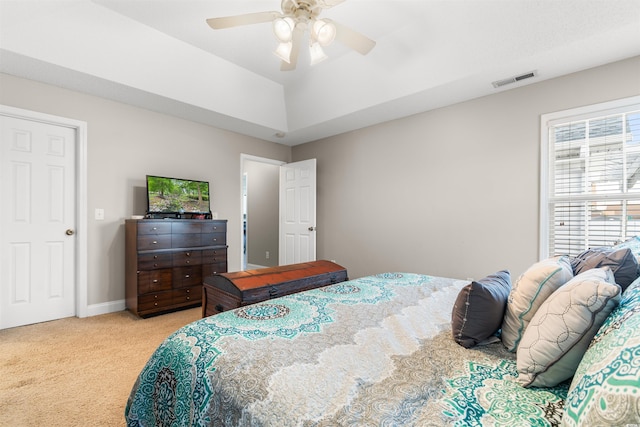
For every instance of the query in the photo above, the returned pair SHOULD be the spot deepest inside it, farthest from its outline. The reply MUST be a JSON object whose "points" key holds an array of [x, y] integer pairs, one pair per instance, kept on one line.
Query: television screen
{"points": [[172, 195]]}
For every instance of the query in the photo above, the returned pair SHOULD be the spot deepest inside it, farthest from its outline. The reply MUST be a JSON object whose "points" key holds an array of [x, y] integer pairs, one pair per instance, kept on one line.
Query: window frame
{"points": [[547, 121]]}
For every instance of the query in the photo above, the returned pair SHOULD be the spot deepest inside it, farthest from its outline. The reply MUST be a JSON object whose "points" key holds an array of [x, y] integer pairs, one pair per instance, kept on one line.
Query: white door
{"points": [[37, 221], [297, 212]]}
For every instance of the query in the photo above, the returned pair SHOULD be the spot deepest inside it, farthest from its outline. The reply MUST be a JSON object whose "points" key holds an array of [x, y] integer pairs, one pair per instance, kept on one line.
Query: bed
{"points": [[374, 351]]}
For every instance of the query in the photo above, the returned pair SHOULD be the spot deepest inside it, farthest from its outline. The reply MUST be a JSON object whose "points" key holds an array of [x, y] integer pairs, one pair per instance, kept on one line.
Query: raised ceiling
{"points": [[161, 55]]}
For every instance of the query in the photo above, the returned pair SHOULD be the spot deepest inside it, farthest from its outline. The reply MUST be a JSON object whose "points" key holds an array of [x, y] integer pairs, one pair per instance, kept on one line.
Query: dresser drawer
{"points": [[187, 258], [186, 227], [186, 240], [192, 294], [154, 261], [158, 300], [154, 280], [153, 227], [215, 227], [154, 241], [214, 239], [212, 256], [187, 276], [211, 269]]}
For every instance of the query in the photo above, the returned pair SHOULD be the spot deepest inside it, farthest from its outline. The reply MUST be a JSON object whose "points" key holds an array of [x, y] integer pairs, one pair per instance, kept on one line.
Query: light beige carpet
{"points": [[78, 372]]}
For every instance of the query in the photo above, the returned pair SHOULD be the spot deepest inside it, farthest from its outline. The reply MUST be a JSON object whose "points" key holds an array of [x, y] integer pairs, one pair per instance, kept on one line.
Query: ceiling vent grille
{"points": [[510, 80]]}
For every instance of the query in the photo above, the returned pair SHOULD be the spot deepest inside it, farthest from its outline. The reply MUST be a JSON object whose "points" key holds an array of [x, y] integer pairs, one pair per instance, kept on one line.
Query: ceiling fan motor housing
{"points": [[302, 10]]}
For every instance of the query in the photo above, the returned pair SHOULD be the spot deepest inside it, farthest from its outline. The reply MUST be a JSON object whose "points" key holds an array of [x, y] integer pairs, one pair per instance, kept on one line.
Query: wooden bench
{"points": [[226, 291]]}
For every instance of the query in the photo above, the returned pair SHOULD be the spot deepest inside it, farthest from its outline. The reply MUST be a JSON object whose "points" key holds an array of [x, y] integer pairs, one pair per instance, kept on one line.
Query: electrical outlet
{"points": [[214, 215], [266, 254], [99, 214]]}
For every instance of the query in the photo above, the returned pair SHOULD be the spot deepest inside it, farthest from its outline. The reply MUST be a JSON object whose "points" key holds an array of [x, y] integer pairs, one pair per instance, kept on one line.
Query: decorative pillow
{"points": [[560, 331], [632, 243], [606, 387], [479, 309], [621, 261], [531, 289]]}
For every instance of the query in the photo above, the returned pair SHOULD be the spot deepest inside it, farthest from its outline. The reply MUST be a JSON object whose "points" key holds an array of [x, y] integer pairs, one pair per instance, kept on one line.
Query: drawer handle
{"points": [[273, 291], [188, 290], [155, 296], [188, 253], [219, 308], [188, 261], [155, 242], [155, 280], [187, 276], [155, 265], [154, 228], [155, 257], [156, 304], [188, 298]]}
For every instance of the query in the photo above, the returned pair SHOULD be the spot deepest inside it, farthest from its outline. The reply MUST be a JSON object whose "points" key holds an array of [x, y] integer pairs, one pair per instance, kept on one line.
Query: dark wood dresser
{"points": [[166, 260], [226, 291]]}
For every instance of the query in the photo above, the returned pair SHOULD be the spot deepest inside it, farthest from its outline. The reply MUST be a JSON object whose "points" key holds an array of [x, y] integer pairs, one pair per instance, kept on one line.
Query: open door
{"points": [[297, 212]]}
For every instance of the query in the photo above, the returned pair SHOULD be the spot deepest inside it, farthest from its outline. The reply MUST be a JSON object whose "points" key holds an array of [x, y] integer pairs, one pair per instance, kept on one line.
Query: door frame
{"points": [[80, 128], [243, 159]]}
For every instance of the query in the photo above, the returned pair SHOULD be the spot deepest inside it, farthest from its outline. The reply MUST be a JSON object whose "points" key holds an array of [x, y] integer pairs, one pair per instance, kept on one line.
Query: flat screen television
{"points": [[177, 196]]}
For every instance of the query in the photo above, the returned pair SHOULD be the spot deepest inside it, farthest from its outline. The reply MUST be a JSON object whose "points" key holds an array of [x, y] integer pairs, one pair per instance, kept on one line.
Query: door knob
{"points": [[311, 228], [69, 232]]}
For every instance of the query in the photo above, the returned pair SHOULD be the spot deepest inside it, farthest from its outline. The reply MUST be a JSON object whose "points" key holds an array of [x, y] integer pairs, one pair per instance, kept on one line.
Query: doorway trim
{"points": [[243, 159], [80, 127]]}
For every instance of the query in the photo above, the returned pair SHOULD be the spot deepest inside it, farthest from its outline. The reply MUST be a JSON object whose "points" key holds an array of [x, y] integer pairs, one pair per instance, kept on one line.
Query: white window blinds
{"points": [[593, 183]]}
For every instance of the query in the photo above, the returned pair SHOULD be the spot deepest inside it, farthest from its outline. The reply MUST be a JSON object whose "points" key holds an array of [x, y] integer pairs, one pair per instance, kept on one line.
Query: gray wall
{"points": [[124, 144], [262, 212], [452, 192]]}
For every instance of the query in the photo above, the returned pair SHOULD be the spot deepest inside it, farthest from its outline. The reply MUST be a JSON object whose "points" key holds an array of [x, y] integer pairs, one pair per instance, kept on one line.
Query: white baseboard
{"points": [[254, 266], [105, 308]]}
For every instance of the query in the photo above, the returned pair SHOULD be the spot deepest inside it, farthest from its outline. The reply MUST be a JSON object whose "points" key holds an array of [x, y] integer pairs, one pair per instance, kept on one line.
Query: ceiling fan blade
{"points": [[296, 42], [326, 4], [246, 19], [353, 39]]}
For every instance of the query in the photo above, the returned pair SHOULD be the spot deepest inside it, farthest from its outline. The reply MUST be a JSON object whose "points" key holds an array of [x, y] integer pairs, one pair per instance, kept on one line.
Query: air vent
{"points": [[504, 82]]}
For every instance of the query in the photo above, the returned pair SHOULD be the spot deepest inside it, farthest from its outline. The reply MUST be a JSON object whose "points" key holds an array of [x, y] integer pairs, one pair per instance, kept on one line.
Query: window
{"points": [[590, 190]]}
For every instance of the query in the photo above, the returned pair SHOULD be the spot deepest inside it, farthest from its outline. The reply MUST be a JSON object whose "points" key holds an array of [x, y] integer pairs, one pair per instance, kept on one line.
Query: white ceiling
{"points": [[161, 55]]}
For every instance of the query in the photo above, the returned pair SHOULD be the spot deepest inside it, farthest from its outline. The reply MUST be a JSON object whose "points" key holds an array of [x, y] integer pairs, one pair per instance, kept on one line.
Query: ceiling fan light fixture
{"points": [[316, 53], [283, 51], [324, 32], [283, 28]]}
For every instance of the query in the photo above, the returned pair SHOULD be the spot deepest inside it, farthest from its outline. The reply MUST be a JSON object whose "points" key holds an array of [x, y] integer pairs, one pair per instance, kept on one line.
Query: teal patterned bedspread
{"points": [[375, 351]]}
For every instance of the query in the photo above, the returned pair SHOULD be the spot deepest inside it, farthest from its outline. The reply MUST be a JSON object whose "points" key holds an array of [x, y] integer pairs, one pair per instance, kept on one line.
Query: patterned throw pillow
{"points": [[531, 289], [606, 387], [560, 332]]}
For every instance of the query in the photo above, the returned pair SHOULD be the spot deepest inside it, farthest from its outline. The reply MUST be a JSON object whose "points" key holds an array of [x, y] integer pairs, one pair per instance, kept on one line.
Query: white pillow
{"points": [[531, 289], [560, 332]]}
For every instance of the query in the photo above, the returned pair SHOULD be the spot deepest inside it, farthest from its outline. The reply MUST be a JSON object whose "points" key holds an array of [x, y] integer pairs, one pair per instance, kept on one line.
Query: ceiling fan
{"points": [[290, 26]]}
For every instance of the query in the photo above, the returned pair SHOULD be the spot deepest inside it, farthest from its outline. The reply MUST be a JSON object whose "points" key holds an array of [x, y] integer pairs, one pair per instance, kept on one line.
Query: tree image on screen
{"points": [[177, 195]]}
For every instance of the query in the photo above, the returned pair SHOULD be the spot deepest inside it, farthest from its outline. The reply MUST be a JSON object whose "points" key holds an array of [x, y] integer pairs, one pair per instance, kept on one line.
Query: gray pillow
{"points": [[560, 332], [479, 309], [531, 289], [622, 263]]}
